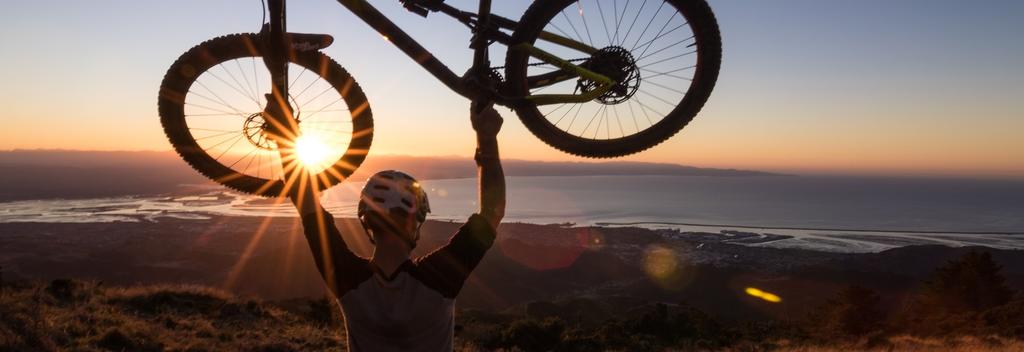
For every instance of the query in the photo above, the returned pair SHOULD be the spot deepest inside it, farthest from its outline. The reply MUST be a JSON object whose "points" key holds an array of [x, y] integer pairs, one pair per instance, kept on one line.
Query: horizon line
{"points": [[782, 171]]}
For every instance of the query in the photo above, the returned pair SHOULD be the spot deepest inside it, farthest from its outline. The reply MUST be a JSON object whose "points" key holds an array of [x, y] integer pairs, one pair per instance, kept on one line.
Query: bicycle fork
{"points": [[281, 126]]}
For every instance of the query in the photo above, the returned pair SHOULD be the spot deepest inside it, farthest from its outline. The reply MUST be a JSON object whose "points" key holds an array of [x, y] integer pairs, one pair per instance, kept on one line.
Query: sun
{"points": [[311, 151]]}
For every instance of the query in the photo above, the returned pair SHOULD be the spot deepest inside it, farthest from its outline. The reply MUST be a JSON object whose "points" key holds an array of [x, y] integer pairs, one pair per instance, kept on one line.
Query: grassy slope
{"points": [[87, 316]]}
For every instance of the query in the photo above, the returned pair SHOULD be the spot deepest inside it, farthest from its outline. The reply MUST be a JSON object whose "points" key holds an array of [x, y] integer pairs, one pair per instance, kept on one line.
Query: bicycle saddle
{"points": [[308, 41]]}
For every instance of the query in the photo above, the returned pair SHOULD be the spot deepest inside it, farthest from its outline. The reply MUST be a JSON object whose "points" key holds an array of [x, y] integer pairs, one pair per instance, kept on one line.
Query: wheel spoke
{"points": [[671, 104], [217, 97], [232, 146], [629, 104], [255, 152], [579, 108], [296, 79], [215, 135], [303, 91], [560, 106], [259, 165], [666, 87], [243, 158], [615, 111], [648, 25], [669, 73], [646, 115], [560, 30], [607, 128], [615, 13], [674, 57], [256, 78], [647, 45], [241, 72], [318, 111], [329, 88], [592, 118], [331, 110], [626, 36], [578, 36], [665, 48], [217, 110], [237, 86], [342, 130], [604, 22], [650, 108], [585, 27]]}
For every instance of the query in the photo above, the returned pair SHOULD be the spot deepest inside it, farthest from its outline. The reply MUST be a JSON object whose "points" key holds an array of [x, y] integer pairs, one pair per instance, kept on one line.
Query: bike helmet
{"points": [[390, 190]]}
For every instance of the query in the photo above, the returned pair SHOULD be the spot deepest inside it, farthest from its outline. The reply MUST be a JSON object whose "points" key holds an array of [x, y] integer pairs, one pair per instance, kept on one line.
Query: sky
{"points": [[915, 87]]}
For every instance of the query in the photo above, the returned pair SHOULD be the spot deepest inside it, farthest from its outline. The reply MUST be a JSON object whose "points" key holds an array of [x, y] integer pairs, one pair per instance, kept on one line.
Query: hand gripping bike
{"points": [[595, 78]]}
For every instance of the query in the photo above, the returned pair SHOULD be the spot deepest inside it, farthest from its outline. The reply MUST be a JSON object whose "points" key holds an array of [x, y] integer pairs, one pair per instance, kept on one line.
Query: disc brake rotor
{"points": [[254, 128]]}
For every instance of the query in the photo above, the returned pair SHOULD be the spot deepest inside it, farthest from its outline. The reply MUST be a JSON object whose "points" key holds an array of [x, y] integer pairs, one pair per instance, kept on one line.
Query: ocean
{"points": [[843, 214]]}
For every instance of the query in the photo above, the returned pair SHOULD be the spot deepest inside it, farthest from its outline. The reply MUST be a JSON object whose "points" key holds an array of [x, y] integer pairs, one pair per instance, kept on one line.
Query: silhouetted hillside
{"points": [[43, 174], [268, 258]]}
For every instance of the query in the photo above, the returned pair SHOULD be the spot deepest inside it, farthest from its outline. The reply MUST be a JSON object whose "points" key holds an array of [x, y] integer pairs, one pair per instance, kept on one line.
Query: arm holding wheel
{"points": [[341, 269], [452, 264]]}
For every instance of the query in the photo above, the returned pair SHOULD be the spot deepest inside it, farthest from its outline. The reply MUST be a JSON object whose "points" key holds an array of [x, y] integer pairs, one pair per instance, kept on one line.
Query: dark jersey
{"points": [[410, 310]]}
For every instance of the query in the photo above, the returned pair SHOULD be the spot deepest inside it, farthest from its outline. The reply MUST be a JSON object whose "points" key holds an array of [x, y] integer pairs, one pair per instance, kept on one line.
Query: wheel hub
{"points": [[617, 63], [255, 130]]}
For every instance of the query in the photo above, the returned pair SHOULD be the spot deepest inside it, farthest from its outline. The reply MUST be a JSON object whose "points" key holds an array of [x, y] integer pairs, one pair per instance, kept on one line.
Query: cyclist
{"points": [[390, 301]]}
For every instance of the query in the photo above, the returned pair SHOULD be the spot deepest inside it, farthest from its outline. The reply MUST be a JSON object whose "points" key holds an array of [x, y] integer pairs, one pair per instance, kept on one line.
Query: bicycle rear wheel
{"points": [[663, 55], [211, 103]]}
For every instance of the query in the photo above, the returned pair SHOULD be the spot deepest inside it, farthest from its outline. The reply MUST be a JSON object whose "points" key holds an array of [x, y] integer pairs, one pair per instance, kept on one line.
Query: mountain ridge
{"points": [[47, 174]]}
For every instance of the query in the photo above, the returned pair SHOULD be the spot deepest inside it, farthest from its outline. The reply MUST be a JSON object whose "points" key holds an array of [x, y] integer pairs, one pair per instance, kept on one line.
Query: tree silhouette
{"points": [[952, 300], [852, 313], [972, 283]]}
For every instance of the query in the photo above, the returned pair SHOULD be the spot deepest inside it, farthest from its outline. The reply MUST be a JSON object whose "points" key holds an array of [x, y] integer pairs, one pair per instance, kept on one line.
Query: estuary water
{"points": [[825, 213]]}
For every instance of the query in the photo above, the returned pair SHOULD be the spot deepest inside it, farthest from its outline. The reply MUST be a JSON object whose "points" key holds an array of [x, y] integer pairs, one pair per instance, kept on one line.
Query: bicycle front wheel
{"points": [[211, 108], [663, 57]]}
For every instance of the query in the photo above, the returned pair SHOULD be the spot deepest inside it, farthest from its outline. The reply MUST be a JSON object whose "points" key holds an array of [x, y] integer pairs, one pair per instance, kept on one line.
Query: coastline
{"points": [[268, 258], [208, 203]]}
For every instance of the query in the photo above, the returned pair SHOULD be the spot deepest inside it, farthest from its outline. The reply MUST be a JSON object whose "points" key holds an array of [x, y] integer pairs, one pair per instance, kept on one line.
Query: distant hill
{"points": [[43, 174]]}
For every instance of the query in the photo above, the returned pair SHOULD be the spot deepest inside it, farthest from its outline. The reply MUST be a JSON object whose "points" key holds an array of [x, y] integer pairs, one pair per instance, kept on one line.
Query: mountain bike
{"points": [[594, 78]]}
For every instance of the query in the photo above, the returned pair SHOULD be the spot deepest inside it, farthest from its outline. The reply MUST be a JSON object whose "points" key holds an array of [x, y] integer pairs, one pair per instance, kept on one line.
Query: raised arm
{"points": [[447, 268], [487, 122], [341, 269]]}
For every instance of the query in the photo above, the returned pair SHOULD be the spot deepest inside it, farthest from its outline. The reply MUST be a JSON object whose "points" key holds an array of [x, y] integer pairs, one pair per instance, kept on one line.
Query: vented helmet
{"points": [[388, 190]]}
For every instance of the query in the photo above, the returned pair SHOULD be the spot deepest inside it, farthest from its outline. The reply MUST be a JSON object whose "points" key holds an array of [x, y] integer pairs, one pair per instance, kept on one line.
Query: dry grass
{"points": [[84, 316], [916, 344]]}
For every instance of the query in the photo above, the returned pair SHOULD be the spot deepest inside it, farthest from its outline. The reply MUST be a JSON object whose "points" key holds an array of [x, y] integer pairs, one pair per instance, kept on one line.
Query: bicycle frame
{"points": [[485, 27]]}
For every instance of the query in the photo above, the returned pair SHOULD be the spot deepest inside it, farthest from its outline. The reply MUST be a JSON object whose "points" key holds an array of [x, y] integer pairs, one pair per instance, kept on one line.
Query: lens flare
{"points": [[767, 296], [311, 151], [667, 268]]}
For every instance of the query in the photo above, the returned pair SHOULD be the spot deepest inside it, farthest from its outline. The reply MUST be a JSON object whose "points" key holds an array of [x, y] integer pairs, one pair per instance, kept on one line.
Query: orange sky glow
{"points": [[820, 94]]}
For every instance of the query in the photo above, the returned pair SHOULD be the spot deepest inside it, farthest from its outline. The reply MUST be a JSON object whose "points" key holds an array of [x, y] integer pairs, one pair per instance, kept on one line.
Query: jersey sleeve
{"points": [[446, 269], [341, 269]]}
